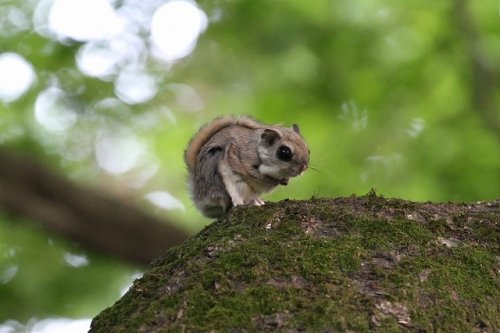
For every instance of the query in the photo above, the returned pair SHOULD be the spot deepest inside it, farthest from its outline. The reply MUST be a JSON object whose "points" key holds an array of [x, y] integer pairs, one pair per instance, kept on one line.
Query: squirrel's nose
{"points": [[303, 167]]}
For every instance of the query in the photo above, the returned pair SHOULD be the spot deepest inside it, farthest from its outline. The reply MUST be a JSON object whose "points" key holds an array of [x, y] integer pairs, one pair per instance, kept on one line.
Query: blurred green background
{"points": [[399, 96]]}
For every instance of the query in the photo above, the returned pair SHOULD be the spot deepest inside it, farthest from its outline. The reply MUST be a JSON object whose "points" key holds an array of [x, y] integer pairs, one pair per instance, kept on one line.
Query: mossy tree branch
{"points": [[325, 265]]}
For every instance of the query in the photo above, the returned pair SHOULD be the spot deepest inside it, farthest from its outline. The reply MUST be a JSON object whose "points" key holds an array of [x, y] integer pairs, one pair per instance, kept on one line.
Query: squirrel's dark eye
{"points": [[284, 153]]}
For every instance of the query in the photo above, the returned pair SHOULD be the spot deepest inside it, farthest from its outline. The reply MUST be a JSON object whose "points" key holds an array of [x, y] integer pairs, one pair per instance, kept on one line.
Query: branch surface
{"points": [[94, 219], [358, 264]]}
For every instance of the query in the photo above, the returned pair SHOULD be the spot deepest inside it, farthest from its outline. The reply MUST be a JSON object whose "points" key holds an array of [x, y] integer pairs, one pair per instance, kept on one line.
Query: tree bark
{"points": [[92, 218], [355, 264]]}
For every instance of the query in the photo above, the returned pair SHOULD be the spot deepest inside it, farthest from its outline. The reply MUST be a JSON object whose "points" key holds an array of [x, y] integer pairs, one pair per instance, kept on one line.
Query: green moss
{"points": [[354, 264]]}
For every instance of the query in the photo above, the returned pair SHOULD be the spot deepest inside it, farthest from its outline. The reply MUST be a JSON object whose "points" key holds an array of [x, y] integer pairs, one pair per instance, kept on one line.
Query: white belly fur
{"points": [[241, 191]]}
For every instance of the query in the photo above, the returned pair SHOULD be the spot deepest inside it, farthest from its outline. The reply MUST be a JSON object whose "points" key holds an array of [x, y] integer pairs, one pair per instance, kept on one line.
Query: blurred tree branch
{"points": [[484, 75], [94, 219]]}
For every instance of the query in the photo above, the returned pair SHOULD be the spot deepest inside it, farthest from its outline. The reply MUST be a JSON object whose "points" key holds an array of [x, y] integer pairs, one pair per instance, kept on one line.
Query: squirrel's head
{"points": [[283, 152]]}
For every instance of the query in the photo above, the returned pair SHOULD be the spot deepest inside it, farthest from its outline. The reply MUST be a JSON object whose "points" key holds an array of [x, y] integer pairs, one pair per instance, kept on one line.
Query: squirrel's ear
{"points": [[296, 128], [269, 137]]}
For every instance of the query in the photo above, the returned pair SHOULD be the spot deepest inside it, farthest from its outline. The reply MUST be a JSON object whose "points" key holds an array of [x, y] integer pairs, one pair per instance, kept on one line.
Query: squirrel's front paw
{"points": [[258, 202]]}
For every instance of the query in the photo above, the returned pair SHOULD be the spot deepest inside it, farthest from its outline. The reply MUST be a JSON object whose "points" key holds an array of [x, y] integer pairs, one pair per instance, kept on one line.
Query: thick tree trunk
{"points": [[96, 220], [353, 264]]}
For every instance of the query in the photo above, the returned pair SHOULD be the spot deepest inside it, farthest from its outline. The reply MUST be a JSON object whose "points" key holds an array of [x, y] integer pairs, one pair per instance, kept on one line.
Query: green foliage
{"points": [[38, 275]]}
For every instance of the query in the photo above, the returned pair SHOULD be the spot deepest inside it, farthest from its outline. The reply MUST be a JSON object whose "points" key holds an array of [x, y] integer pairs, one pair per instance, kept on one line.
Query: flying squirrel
{"points": [[231, 161]]}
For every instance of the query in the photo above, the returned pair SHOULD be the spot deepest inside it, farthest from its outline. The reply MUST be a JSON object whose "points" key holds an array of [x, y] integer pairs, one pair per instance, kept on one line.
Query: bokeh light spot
{"points": [[53, 110], [134, 87], [76, 260], [83, 20], [17, 76], [118, 151], [104, 58], [175, 28], [164, 200]]}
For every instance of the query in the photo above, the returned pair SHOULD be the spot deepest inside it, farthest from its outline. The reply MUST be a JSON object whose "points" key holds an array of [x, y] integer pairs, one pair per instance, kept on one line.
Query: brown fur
{"points": [[206, 132]]}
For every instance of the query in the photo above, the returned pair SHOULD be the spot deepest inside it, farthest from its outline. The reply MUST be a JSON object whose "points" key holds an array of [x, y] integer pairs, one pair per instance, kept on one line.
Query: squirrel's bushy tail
{"points": [[207, 131]]}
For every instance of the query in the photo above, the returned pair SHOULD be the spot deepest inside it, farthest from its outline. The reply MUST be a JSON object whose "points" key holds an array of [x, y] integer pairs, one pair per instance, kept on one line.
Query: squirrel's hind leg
{"points": [[209, 192]]}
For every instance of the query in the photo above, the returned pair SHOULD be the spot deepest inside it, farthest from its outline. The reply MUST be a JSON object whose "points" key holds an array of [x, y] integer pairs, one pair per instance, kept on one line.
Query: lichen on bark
{"points": [[355, 264]]}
